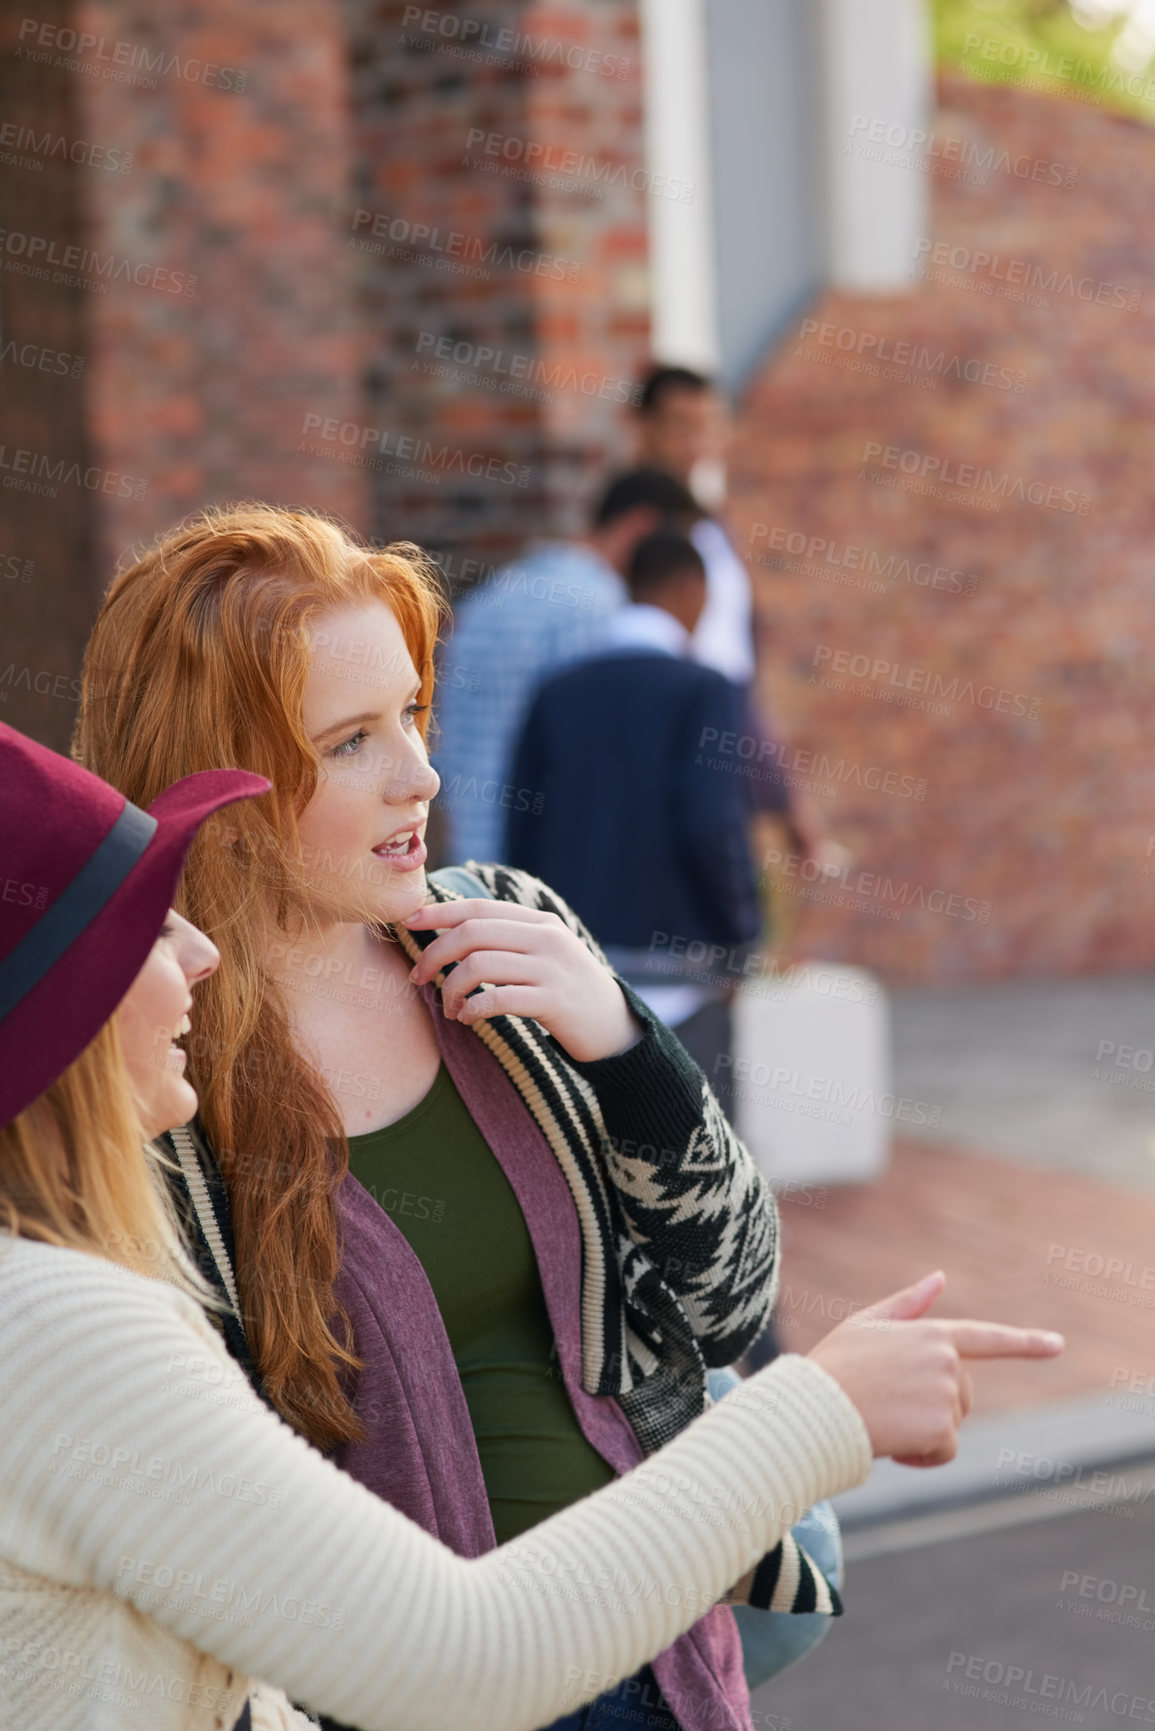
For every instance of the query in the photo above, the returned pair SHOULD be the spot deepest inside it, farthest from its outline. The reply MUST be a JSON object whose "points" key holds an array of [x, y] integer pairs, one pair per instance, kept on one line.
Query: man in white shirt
{"points": [[681, 427]]}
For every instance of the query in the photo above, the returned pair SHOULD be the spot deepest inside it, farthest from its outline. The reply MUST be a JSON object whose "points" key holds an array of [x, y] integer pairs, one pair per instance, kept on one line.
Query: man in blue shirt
{"points": [[548, 608]]}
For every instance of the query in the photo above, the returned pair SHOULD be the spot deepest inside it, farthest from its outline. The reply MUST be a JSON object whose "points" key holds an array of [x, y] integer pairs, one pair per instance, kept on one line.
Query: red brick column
{"points": [[498, 226]]}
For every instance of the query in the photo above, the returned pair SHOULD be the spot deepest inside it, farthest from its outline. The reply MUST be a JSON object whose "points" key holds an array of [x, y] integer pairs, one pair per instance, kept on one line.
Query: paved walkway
{"points": [[1017, 1242], [1054, 1072], [1035, 1192], [1014, 1628]]}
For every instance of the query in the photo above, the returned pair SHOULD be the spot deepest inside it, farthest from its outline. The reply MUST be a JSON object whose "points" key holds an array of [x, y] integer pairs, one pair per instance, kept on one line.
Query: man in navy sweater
{"points": [[641, 825]]}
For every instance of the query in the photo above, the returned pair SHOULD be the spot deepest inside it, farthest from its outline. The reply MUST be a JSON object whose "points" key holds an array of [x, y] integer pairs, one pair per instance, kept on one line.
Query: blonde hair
{"points": [[198, 660], [75, 1171]]}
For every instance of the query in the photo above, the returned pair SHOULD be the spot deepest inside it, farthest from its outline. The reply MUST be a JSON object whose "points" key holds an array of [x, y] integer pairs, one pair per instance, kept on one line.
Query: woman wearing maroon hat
{"points": [[549, 1227]]}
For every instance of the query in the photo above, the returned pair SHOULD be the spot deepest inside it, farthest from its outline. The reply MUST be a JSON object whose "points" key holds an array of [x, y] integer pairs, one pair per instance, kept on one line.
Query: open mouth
{"points": [[177, 1057], [405, 850]]}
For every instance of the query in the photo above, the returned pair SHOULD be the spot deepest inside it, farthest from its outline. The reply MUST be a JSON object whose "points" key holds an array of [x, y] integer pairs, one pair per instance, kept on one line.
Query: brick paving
{"points": [[993, 1227]]}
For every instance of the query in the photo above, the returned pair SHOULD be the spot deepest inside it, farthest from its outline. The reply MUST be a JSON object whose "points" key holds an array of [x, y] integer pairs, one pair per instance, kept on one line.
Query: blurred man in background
{"points": [[681, 427], [638, 828], [548, 608]]}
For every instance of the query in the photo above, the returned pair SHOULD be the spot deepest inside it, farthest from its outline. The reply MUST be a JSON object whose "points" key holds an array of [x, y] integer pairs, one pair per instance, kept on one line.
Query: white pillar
{"points": [[683, 297], [877, 73]]}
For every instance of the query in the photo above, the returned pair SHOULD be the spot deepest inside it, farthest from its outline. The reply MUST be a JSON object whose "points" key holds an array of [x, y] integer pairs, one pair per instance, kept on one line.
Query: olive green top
{"points": [[436, 1177]]}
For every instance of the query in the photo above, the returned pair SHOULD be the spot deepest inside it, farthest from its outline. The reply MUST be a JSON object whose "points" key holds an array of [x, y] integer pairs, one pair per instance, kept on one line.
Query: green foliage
{"points": [[1041, 45]]}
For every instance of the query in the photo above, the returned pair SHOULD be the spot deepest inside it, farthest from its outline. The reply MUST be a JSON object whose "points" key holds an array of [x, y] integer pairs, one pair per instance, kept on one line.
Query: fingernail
{"points": [[1053, 1339]]}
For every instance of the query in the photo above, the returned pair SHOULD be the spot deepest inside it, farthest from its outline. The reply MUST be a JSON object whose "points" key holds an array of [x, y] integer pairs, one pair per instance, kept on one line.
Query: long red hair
{"points": [[198, 660]]}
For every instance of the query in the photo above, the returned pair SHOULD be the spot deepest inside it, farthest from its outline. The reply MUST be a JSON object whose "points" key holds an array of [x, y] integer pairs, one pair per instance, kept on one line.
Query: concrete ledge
{"points": [[1064, 1451]]}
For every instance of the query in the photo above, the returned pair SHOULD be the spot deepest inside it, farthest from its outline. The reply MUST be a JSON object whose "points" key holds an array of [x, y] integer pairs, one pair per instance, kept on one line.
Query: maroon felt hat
{"points": [[86, 880]]}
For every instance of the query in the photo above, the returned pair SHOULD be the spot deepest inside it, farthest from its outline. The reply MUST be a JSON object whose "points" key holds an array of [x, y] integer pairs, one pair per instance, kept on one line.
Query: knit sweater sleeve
{"points": [[689, 1188], [135, 1459]]}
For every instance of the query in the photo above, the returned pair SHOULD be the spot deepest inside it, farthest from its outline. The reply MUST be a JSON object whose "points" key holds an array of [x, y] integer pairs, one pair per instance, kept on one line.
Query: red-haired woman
{"points": [[485, 1223]]}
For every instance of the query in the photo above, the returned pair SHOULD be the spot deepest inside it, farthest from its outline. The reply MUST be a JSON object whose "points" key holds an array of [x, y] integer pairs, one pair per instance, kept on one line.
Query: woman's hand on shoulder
{"points": [[528, 963]]}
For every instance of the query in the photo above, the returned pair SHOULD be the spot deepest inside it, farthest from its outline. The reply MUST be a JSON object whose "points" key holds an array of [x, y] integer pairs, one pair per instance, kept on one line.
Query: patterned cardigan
{"points": [[679, 1231]]}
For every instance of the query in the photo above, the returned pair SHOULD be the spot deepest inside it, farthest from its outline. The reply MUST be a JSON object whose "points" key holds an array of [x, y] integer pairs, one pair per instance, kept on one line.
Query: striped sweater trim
{"points": [[639, 1340]]}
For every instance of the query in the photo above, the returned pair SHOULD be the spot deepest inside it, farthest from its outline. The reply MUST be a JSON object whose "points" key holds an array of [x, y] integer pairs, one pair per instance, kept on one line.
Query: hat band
{"points": [[75, 909]]}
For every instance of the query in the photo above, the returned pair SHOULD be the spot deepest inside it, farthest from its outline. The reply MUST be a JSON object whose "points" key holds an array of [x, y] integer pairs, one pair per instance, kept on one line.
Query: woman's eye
{"points": [[351, 746], [413, 710]]}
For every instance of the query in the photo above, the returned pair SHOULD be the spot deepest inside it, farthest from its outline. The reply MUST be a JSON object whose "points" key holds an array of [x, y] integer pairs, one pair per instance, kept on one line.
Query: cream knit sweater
{"points": [[164, 1540]]}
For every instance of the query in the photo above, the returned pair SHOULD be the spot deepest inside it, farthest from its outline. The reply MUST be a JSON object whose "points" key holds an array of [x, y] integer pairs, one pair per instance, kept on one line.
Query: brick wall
{"points": [[501, 256], [382, 260], [1006, 819], [235, 318]]}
